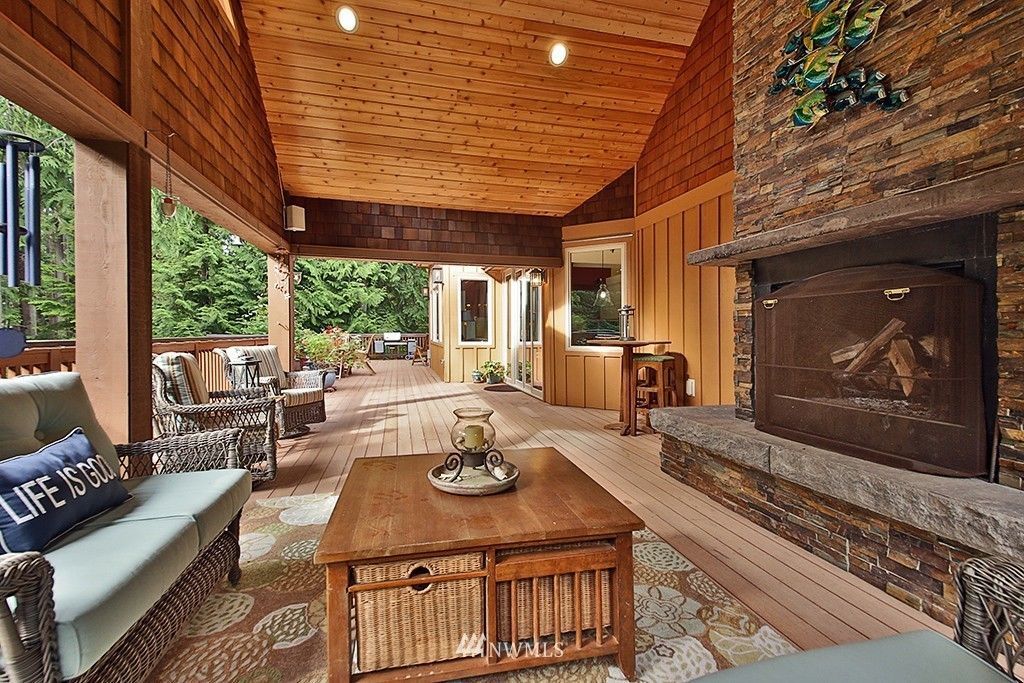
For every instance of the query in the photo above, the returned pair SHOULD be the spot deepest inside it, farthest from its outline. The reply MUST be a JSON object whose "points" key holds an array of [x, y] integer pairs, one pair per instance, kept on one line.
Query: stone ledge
{"points": [[978, 514], [981, 193]]}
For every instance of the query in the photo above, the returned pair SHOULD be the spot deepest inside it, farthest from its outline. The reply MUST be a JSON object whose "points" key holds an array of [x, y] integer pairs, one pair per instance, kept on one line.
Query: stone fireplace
{"points": [[854, 406]]}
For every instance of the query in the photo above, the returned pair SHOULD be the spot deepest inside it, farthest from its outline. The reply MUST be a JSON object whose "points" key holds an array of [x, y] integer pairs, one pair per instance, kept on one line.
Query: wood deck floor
{"points": [[406, 409]]}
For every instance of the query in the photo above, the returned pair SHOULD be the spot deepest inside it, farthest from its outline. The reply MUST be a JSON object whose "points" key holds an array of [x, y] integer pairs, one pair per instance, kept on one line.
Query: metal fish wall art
{"points": [[813, 55], [809, 109], [827, 24], [863, 25], [819, 67]]}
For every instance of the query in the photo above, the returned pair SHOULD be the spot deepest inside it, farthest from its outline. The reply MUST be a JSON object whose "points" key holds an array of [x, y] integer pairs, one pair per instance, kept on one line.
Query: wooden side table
{"points": [[557, 538], [627, 391]]}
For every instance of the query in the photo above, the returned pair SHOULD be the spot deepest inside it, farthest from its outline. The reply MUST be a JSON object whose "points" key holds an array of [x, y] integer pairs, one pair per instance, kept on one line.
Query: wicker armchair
{"points": [[177, 410], [990, 619], [28, 635], [299, 395]]}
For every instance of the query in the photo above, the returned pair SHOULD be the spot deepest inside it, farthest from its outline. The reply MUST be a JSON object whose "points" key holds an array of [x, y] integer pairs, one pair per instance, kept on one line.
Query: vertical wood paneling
{"points": [[727, 286], [691, 302], [662, 294], [709, 306], [460, 361], [692, 306], [575, 389], [578, 377]]}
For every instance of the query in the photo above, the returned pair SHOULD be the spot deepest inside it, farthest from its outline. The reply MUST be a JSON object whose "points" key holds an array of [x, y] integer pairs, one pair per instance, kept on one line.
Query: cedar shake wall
{"points": [[205, 90], [371, 226], [960, 61], [84, 34], [614, 202], [691, 142]]}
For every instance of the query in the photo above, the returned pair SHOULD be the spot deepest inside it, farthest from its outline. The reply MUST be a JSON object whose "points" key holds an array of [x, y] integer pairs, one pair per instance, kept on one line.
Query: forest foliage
{"points": [[205, 280]]}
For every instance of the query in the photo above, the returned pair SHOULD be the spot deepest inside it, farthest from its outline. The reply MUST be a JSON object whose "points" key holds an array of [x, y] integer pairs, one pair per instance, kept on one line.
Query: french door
{"points": [[526, 371]]}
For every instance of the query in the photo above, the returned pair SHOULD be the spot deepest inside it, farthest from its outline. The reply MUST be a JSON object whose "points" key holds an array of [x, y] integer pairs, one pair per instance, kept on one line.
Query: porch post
{"points": [[281, 306], [113, 284]]}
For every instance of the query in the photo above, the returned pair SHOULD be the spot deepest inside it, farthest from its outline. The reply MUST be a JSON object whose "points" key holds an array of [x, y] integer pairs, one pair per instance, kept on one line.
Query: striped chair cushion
{"points": [[184, 377], [302, 397], [270, 362]]}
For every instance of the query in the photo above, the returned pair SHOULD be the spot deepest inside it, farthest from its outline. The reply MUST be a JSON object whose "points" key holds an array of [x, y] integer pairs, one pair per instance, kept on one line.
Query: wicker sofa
{"points": [[299, 395], [103, 602]]}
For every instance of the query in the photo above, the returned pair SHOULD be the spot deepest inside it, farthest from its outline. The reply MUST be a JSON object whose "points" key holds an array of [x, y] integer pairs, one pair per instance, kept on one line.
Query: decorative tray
{"points": [[473, 481]]}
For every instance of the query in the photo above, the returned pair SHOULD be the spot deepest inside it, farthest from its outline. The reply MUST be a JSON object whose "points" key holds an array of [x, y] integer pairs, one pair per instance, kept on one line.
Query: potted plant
{"points": [[478, 377], [327, 350], [493, 371]]}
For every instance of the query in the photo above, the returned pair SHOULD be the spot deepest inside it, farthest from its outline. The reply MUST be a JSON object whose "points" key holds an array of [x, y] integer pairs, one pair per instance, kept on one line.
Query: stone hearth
{"points": [[901, 531]]}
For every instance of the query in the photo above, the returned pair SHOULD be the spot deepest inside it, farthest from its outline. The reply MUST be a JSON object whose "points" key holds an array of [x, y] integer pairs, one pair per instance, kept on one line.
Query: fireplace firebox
{"points": [[883, 362]]}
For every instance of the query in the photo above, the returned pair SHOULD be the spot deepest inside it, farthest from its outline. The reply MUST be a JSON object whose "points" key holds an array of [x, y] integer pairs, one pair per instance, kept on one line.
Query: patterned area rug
{"points": [[271, 628]]}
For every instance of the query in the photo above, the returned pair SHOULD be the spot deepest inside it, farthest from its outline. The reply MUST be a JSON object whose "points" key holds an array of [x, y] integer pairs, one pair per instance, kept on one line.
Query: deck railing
{"points": [[59, 355], [420, 338]]}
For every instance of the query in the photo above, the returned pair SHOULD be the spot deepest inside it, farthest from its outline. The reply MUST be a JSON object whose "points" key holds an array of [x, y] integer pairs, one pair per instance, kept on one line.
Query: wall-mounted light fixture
{"points": [[437, 277], [537, 277], [20, 148]]}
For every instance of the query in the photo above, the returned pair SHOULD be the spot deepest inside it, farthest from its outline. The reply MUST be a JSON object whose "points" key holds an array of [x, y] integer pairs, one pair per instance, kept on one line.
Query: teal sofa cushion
{"points": [[106, 578], [211, 499], [917, 657], [37, 410]]}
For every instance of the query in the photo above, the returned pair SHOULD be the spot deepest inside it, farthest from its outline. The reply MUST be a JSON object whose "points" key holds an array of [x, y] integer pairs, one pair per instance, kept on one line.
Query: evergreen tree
{"points": [[205, 280]]}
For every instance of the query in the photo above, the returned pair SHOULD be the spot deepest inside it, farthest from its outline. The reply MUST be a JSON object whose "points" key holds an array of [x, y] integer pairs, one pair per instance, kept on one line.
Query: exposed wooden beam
{"points": [[404, 256], [113, 284]]}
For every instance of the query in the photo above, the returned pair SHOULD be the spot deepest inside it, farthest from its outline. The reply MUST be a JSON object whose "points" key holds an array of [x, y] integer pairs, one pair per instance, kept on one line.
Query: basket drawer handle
{"points": [[418, 571]]}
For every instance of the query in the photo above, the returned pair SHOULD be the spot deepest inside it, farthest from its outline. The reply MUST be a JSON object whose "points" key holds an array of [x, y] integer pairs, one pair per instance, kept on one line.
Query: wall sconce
{"points": [[437, 277], [168, 202], [538, 277]]}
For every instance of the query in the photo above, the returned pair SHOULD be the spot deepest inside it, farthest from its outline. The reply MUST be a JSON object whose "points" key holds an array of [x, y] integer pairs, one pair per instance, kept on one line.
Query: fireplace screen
{"points": [[880, 362]]}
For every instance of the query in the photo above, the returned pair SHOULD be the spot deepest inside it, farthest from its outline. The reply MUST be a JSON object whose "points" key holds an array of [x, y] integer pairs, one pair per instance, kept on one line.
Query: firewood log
{"points": [[875, 345], [847, 353]]}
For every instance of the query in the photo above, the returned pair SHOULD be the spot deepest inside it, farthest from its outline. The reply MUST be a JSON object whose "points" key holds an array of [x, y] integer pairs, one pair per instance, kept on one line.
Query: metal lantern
{"points": [[626, 314], [11, 231], [536, 277]]}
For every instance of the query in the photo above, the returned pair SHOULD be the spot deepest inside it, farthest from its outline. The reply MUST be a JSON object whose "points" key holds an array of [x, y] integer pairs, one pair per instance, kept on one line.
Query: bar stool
{"points": [[656, 380]]}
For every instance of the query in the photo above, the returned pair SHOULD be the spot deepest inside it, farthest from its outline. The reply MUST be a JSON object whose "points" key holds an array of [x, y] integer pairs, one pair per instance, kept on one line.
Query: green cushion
{"points": [[921, 656], [651, 358], [210, 499], [105, 579], [37, 410]]}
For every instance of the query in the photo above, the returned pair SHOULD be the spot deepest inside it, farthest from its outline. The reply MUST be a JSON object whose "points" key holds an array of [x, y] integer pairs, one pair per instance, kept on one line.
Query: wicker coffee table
{"points": [[422, 584]]}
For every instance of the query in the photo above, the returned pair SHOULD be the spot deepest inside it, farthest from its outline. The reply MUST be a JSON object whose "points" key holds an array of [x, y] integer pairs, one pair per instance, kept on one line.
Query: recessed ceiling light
{"points": [[348, 20], [558, 53]]}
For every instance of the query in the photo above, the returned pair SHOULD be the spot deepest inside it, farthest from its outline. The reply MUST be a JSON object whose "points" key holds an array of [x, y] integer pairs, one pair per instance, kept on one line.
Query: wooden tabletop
{"points": [[626, 342], [387, 508]]}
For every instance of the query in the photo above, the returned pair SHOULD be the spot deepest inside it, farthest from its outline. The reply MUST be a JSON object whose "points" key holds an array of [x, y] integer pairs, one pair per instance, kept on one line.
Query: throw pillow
{"points": [[45, 494]]}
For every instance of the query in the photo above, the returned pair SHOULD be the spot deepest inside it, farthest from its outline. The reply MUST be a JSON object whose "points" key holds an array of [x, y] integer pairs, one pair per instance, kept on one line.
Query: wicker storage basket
{"points": [[546, 597], [416, 624]]}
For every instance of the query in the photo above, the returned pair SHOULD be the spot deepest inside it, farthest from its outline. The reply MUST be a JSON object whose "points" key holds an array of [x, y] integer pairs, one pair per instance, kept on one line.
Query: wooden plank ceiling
{"points": [[454, 104]]}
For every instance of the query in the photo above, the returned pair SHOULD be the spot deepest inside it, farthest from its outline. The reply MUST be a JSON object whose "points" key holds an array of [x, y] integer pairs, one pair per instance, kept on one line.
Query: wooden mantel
{"points": [[981, 193]]}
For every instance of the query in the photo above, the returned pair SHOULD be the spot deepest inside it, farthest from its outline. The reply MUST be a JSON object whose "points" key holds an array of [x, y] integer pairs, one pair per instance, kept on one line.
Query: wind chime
{"points": [[20, 170]]}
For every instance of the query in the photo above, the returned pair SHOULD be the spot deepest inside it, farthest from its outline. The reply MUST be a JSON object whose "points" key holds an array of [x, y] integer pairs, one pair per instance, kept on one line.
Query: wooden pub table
{"points": [[627, 391], [430, 586]]}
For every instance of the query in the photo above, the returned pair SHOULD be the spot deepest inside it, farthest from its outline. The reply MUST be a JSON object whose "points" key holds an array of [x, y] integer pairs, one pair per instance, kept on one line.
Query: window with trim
{"points": [[596, 291], [475, 311], [436, 314]]}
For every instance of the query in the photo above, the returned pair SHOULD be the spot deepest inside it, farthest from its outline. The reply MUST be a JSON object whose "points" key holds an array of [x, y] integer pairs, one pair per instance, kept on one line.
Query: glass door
{"points": [[525, 335]]}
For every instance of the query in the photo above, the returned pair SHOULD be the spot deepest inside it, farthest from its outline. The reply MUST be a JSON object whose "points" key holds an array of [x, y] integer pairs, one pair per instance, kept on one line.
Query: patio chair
{"points": [[363, 356], [989, 641], [299, 395], [183, 404]]}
